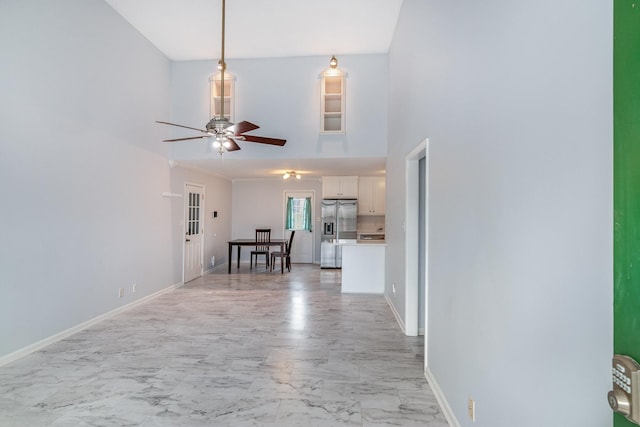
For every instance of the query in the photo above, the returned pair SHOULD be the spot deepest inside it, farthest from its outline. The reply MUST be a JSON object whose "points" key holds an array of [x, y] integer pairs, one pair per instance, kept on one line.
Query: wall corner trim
{"points": [[395, 313], [440, 397]]}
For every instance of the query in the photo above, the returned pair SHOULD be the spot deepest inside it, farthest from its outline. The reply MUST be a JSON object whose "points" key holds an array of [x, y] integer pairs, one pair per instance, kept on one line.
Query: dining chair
{"points": [[262, 235], [287, 254]]}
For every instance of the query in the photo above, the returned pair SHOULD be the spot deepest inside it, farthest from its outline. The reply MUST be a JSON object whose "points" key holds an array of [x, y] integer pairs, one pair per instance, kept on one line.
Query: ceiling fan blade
{"points": [[232, 145], [181, 126], [265, 140], [242, 127], [183, 139]]}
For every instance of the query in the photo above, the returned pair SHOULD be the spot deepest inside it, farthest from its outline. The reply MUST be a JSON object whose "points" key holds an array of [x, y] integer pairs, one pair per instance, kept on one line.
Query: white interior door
{"points": [[194, 234], [302, 250]]}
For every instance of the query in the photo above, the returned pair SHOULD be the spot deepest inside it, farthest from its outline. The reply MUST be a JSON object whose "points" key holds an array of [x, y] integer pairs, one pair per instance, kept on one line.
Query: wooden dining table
{"points": [[253, 242]]}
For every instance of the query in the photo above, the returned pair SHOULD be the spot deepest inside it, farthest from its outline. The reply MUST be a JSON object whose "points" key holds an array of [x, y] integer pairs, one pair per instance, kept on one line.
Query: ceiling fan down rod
{"points": [[223, 65]]}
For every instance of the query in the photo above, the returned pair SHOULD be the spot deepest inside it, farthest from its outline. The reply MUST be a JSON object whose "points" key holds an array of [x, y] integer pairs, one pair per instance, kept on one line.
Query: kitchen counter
{"points": [[363, 243], [363, 268], [371, 236]]}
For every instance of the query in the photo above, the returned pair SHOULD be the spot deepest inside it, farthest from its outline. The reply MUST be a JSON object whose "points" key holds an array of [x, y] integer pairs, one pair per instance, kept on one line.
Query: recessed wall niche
{"points": [[332, 98], [215, 81]]}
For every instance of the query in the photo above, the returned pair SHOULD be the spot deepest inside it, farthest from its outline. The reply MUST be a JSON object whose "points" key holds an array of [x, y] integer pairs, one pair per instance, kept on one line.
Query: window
{"points": [[298, 213], [193, 210]]}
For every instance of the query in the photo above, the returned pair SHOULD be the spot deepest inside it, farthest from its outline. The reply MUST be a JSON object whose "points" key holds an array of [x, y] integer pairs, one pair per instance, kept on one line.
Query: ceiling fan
{"points": [[220, 129]]}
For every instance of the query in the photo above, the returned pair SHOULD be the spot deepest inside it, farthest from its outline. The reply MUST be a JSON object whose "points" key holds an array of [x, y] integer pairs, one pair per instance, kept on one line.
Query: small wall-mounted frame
{"points": [[332, 99]]}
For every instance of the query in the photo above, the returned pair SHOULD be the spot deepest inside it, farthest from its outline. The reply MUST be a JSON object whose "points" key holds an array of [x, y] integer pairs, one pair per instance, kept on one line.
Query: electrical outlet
{"points": [[120, 292], [133, 288], [471, 408]]}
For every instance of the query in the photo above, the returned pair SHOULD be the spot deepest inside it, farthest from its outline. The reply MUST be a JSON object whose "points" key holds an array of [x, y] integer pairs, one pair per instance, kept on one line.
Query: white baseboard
{"points": [[215, 268], [11, 357], [442, 400], [395, 313]]}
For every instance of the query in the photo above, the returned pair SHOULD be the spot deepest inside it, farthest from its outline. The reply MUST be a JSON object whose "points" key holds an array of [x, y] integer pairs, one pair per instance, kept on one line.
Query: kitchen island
{"points": [[363, 268]]}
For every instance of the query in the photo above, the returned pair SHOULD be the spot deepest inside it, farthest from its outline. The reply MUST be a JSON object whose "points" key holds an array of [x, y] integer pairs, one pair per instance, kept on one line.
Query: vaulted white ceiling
{"points": [[190, 29]]}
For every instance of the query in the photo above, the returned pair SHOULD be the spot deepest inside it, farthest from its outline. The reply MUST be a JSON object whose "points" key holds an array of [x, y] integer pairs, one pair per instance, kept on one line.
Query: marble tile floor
{"points": [[251, 348]]}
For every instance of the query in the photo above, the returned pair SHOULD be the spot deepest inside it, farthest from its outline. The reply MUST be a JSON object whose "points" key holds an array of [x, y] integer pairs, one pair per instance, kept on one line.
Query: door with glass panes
{"points": [[193, 232], [298, 212]]}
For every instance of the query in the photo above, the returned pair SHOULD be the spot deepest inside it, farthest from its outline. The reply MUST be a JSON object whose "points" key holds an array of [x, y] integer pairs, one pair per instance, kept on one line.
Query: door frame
{"points": [[185, 207], [412, 263], [285, 194]]}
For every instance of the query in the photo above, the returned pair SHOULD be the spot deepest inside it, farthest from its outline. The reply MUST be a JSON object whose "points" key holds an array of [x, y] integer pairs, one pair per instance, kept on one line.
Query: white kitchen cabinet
{"points": [[339, 187], [371, 195]]}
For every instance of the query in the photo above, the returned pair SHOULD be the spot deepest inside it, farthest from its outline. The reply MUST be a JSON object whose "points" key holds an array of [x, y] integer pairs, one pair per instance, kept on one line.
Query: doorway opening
{"points": [[416, 238], [298, 216]]}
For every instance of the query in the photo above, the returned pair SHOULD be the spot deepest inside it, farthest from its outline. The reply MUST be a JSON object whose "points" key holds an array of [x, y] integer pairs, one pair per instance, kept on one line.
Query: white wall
{"points": [[282, 96], [260, 202], [81, 169], [515, 98], [217, 231]]}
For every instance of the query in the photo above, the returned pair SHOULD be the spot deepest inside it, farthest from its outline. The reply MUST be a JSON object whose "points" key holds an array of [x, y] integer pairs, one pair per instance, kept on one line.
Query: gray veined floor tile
{"points": [[251, 348], [370, 395], [319, 413], [287, 388]]}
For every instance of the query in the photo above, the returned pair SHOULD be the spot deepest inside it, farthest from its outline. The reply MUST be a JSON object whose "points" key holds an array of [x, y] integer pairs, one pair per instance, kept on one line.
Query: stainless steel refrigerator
{"points": [[339, 225]]}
